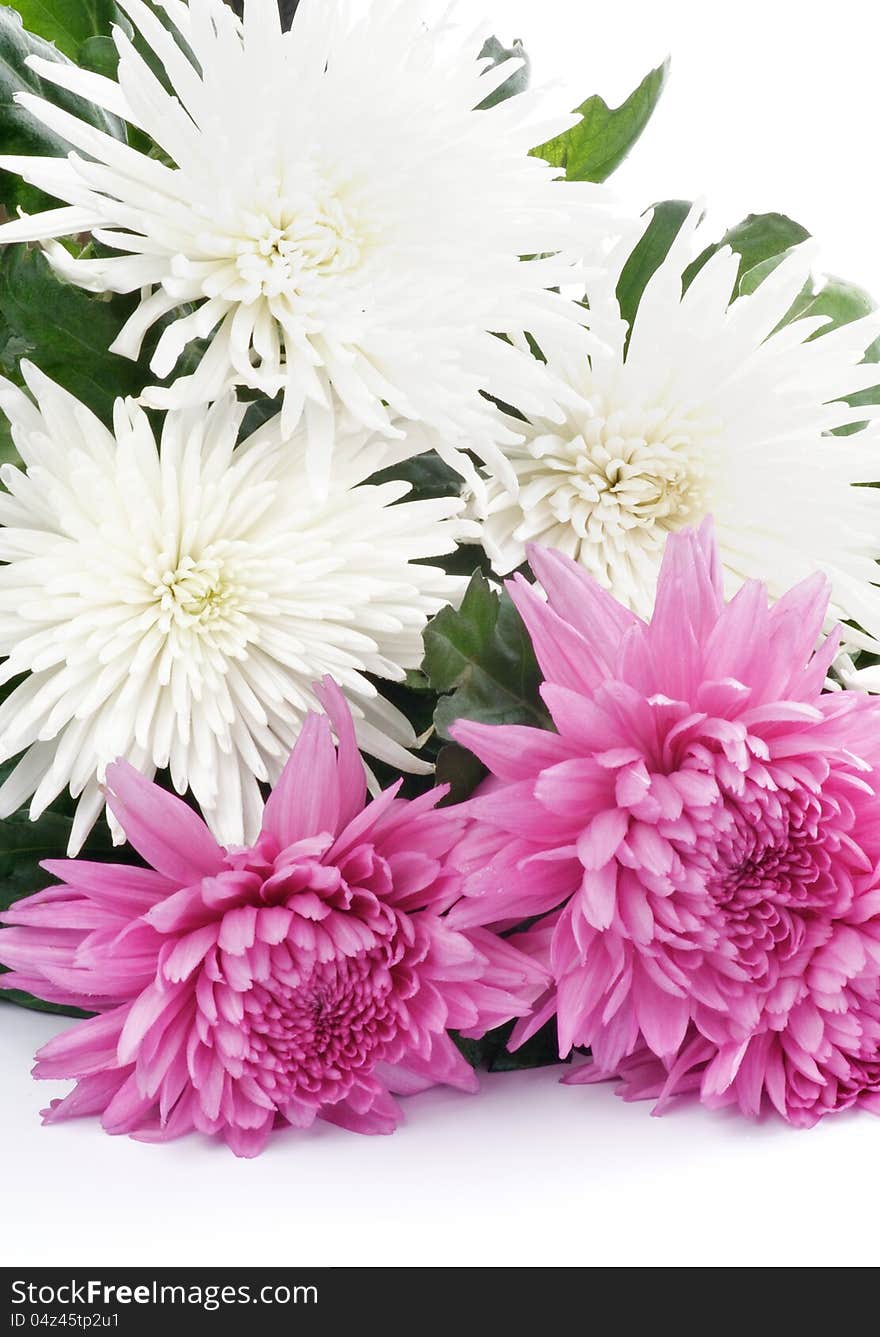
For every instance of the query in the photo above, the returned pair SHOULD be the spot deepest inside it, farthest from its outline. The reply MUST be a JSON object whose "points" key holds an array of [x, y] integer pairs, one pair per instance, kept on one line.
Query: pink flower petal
{"points": [[167, 833], [305, 801]]}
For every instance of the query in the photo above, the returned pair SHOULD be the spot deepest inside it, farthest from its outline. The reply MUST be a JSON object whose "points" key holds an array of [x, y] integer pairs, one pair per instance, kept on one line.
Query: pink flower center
{"points": [[773, 874], [304, 979], [308, 1040]]}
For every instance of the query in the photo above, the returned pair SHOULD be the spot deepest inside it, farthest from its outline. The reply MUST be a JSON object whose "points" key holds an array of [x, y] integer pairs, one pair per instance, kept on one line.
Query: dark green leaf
{"points": [[758, 238], [839, 302], [416, 699], [8, 453], [459, 769], [287, 9], [649, 253], [68, 23], [481, 656], [598, 144], [843, 302], [761, 241], [518, 81], [99, 54], [467, 559], [429, 476], [23, 844], [10, 351], [490, 1054], [259, 412], [19, 999], [415, 681], [20, 132], [751, 279], [67, 332]]}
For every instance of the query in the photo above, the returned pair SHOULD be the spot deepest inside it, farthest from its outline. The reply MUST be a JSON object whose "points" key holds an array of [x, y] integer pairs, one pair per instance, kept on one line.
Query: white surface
{"points": [[770, 106], [527, 1172]]}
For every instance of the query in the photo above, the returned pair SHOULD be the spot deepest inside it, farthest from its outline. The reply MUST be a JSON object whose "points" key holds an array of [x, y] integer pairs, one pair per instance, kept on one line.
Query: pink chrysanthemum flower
{"points": [[701, 838], [309, 976]]}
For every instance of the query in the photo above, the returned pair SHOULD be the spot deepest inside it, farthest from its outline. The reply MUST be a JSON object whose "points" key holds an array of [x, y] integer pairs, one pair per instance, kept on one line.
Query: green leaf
{"points": [[843, 302], [430, 477], [68, 23], [459, 769], [287, 9], [481, 657], [26, 1000], [490, 1054], [758, 238], [839, 302], [598, 144], [67, 332], [751, 279], [22, 133], [23, 844], [649, 253], [8, 453], [11, 350], [100, 55], [761, 241], [518, 81], [467, 559]]}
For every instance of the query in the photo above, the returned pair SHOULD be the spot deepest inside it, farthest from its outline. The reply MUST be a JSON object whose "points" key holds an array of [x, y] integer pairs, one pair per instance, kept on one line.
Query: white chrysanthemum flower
{"points": [[175, 606], [347, 225], [710, 409]]}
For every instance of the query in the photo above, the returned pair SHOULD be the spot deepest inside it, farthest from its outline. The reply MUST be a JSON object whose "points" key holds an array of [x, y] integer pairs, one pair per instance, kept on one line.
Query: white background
{"points": [[770, 106]]}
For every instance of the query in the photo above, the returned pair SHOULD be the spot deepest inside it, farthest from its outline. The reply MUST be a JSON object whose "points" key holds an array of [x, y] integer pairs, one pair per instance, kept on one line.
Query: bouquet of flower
{"points": [[439, 610]]}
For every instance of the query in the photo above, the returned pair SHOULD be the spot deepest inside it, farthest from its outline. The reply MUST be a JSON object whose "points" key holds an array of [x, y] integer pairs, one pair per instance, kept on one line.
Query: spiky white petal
{"points": [[710, 409], [174, 606], [348, 226]]}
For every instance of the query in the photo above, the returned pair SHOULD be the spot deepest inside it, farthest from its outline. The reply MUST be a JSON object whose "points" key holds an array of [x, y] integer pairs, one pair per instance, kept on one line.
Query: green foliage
{"points": [[100, 55], [842, 302], [68, 23], [480, 659], [11, 348], [8, 453], [761, 241], [429, 476], [287, 9], [518, 81], [490, 1054], [459, 769], [759, 238], [649, 253], [598, 144], [23, 844], [67, 332], [835, 299], [20, 132]]}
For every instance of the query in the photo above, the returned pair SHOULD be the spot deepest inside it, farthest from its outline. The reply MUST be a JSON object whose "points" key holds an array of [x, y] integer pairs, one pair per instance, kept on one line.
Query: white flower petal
{"points": [[712, 409], [366, 247], [177, 605]]}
